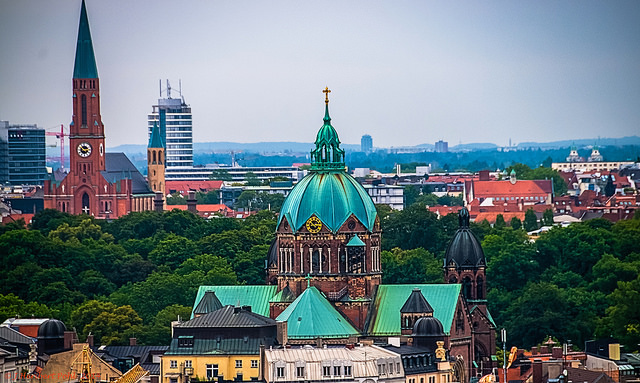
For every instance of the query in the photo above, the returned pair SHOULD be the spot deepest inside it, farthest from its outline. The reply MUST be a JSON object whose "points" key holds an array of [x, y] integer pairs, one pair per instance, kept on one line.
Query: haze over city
{"points": [[404, 72]]}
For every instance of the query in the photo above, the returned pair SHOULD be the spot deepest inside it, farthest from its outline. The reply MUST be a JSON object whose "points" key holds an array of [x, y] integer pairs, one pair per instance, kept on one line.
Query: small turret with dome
{"points": [[328, 229]]}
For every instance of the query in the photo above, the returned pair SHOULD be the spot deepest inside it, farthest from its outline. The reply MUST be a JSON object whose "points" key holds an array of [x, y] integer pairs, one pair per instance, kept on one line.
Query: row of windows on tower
{"points": [[84, 84]]}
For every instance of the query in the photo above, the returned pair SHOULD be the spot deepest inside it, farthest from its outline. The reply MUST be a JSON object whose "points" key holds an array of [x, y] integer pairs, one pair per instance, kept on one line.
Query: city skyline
{"points": [[406, 73]]}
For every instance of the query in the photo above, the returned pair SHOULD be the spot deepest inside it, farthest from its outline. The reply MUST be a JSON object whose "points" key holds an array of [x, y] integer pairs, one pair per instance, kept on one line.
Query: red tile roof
{"points": [[522, 188], [15, 217], [186, 186]]}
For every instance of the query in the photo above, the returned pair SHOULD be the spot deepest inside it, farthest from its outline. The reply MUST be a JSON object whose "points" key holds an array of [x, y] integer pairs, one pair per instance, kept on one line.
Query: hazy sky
{"points": [[406, 72]]}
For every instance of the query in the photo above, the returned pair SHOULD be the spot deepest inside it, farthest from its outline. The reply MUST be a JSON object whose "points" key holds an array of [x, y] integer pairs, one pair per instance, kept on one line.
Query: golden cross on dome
{"points": [[326, 92]]}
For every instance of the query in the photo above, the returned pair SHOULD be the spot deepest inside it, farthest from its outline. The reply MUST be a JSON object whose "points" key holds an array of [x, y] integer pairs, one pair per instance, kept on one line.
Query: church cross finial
{"points": [[308, 278], [326, 92]]}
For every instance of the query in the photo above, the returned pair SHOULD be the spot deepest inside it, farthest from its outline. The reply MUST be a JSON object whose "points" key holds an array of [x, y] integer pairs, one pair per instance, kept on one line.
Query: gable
{"points": [[385, 317], [255, 296]]}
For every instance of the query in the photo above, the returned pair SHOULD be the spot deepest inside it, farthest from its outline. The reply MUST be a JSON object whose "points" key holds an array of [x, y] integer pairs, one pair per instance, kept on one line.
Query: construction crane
{"points": [[60, 135]]}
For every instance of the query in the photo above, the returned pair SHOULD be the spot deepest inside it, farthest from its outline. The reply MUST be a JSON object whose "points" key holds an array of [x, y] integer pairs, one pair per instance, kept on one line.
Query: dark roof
{"points": [[229, 316], [416, 303], [51, 329], [119, 167], [428, 327], [140, 353], [418, 354], [85, 65], [588, 376], [273, 253], [246, 346], [153, 368], [208, 303], [12, 336], [464, 249]]}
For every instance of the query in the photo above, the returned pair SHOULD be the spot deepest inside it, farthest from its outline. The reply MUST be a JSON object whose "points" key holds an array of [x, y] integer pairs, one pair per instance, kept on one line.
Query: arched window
{"points": [[86, 208], [480, 289], [466, 287], [154, 156], [315, 261], [84, 110]]}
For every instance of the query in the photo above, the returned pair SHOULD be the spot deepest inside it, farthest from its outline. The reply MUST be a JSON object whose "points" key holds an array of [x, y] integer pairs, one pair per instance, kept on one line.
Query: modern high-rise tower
{"points": [[173, 116], [22, 154], [366, 143]]}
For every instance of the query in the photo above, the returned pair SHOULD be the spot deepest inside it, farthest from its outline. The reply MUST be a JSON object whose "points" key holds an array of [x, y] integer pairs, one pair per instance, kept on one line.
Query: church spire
{"points": [[156, 141], [327, 155], [85, 65]]}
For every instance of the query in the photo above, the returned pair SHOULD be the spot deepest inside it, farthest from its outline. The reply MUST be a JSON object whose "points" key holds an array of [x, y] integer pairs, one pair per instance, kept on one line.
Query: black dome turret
{"points": [[428, 327], [51, 329], [51, 337], [464, 251]]}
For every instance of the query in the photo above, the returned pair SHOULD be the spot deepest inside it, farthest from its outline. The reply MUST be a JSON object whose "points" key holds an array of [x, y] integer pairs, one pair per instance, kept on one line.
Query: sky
{"points": [[405, 72]]}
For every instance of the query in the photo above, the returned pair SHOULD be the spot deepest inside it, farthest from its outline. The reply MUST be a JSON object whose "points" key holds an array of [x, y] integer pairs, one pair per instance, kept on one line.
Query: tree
{"points": [[220, 175], [516, 224], [410, 266], [12, 306], [530, 220], [622, 318], [411, 192], [500, 224], [547, 218], [159, 332], [172, 251], [108, 323], [251, 179]]}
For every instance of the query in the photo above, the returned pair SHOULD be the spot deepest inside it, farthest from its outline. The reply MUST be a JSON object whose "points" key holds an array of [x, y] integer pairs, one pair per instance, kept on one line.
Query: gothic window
{"points": [[453, 279], [84, 110], [466, 287], [154, 157], [356, 261], [315, 261], [480, 288]]}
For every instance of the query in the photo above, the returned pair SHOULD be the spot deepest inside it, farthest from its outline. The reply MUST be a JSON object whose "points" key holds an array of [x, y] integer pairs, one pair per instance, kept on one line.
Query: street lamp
{"points": [[503, 335]]}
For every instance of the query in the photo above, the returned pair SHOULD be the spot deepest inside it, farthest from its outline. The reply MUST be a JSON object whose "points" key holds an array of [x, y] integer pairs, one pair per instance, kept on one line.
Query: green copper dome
{"points": [[328, 192]]}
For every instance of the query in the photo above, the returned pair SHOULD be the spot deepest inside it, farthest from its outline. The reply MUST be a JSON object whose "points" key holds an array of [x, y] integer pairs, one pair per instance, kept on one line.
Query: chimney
{"points": [[484, 175], [556, 353], [191, 202], [534, 350], [281, 333], [132, 341], [68, 340], [537, 371], [158, 202], [90, 340]]}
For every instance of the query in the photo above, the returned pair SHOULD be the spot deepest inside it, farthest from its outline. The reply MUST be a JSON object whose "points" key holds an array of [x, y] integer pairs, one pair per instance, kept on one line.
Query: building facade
{"points": [[22, 154], [366, 143], [173, 116]]}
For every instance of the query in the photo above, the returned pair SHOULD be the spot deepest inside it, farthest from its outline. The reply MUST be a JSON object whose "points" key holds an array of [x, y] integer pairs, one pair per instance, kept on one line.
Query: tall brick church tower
{"points": [[99, 184]]}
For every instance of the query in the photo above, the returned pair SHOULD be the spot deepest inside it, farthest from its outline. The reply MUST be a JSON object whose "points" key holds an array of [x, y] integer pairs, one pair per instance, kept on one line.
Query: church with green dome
{"points": [[323, 274], [328, 231]]}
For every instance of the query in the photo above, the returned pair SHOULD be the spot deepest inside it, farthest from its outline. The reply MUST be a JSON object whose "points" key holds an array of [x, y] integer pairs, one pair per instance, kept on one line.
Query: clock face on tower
{"points": [[84, 149], [314, 225]]}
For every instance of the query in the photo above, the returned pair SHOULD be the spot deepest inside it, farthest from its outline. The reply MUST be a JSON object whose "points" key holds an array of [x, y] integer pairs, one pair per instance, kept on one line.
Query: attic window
{"points": [[185, 341]]}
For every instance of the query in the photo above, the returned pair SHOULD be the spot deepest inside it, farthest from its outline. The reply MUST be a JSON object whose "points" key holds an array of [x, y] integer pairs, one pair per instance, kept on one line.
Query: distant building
{"points": [[442, 147], [595, 155], [173, 116], [366, 143], [595, 162], [391, 195], [22, 154]]}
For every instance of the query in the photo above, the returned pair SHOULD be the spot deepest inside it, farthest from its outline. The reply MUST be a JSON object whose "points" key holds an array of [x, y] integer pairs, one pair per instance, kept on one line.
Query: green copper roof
{"points": [[312, 316], [85, 66], [355, 241], [156, 141], [330, 196], [255, 296], [385, 320]]}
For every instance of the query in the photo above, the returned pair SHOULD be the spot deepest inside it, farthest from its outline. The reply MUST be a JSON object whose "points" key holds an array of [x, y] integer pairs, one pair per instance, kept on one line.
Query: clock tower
{"points": [[86, 131], [100, 184]]}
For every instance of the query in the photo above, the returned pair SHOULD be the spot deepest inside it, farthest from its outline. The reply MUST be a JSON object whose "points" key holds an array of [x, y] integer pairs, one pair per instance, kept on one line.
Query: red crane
{"points": [[60, 135]]}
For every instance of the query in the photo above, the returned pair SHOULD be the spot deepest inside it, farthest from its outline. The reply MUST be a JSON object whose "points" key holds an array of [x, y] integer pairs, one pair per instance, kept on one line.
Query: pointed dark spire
{"points": [[85, 66], [416, 304], [207, 304], [463, 218], [156, 141]]}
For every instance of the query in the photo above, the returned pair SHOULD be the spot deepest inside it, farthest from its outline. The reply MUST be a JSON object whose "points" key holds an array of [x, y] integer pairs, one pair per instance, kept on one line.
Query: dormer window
{"points": [[185, 341]]}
